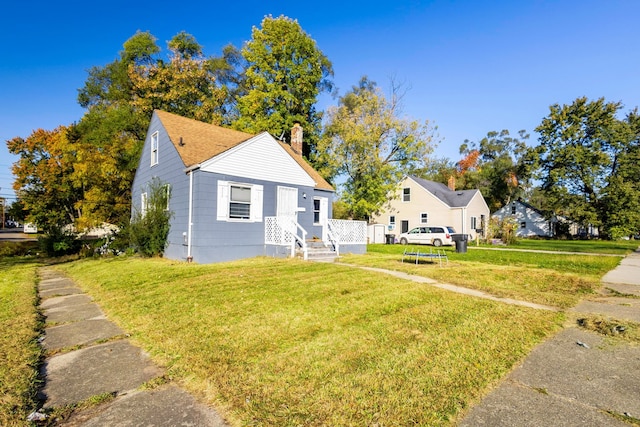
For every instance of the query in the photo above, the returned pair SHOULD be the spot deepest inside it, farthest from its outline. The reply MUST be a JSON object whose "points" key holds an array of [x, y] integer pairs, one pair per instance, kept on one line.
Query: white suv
{"points": [[435, 235]]}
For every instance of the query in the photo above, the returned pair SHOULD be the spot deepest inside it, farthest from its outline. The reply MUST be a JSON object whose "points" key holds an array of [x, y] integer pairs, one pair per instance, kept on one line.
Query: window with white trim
{"points": [[513, 209], [239, 202], [406, 194], [316, 211], [154, 149], [392, 222], [474, 222], [144, 204], [424, 218], [167, 190]]}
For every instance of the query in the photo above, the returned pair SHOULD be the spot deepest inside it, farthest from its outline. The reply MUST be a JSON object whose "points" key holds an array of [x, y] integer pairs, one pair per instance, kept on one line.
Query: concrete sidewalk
{"points": [[579, 377], [89, 356]]}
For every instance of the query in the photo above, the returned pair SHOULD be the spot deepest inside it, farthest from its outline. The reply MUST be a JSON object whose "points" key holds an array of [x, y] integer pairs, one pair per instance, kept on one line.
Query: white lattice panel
{"points": [[349, 232]]}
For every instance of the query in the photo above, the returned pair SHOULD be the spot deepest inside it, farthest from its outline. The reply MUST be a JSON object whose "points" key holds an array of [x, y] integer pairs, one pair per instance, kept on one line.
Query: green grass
{"points": [[558, 280], [285, 342], [19, 350], [620, 247]]}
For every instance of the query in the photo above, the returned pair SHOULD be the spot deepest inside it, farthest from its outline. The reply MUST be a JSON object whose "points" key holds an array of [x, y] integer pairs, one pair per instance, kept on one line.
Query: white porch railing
{"points": [[346, 232], [283, 231]]}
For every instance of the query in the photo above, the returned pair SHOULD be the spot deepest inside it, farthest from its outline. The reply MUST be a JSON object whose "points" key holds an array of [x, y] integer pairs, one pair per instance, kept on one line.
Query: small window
{"points": [[316, 211], [167, 190], [240, 202], [474, 222], [424, 217], [392, 222], [523, 225], [144, 204], [513, 209], [154, 149], [406, 194]]}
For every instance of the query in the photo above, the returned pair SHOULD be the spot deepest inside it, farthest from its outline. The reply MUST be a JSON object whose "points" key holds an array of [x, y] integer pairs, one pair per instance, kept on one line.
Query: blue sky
{"points": [[470, 66]]}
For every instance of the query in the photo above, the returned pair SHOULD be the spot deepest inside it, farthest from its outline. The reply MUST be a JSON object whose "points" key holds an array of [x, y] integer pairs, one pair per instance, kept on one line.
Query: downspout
{"points": [[190, 171]]}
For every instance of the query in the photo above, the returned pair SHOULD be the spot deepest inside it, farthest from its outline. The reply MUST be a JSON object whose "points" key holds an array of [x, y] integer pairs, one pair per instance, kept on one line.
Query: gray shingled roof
{"points": [[454, 199]]}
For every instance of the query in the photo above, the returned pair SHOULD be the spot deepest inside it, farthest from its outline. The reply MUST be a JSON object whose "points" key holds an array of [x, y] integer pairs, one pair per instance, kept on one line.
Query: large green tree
{"points": [[285, 73], [369, 146], [43, 178], [500, 165], [120, 98], [589, 164]]}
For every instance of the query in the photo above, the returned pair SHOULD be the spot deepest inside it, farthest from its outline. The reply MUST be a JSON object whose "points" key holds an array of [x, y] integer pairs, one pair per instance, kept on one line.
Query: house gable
{"points": [[261, 158]]}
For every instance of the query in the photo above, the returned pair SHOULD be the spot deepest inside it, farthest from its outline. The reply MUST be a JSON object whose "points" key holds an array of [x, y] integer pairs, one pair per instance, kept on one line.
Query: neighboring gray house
{"points": [[421, 202], [531, 222], [235, 195]]}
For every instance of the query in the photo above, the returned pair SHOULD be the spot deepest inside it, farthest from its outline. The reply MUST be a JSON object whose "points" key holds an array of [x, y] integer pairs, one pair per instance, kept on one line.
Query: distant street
{"points": [[15, 235]]}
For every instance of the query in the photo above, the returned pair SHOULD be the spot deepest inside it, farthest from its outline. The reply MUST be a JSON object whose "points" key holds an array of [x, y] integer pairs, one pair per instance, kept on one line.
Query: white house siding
{"points": [[260, 158], [421, 202], [530, 222], [477, 208]]}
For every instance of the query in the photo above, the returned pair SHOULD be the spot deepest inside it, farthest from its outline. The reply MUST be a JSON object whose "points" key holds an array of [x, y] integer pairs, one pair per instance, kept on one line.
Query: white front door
{"points": [[323, 216], [287, 207], [287, 204]]}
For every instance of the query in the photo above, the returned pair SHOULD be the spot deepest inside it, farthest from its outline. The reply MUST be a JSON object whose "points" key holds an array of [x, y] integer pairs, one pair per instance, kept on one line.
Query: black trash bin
{"points": [[461, 242], [391, 239]]}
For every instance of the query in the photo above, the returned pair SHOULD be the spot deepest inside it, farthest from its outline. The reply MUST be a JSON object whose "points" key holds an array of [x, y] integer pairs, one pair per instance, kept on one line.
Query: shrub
{"points": [[58, 242], [504, 229], [149, 227]]}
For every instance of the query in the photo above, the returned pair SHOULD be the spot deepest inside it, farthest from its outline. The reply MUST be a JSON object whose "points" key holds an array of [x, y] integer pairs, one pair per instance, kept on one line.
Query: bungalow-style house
{"points": [[235, 195], [420, 202], [531, 222]]}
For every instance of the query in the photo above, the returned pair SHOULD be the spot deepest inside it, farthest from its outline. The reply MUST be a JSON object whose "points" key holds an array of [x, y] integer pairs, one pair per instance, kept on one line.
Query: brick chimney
{"points": [[296, 138], [452, 183]]}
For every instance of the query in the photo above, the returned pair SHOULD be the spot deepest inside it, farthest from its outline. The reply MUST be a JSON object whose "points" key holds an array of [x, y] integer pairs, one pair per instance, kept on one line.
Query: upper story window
{"points": [[406, 194], [424, 218], [154, 149], [239, 202]]}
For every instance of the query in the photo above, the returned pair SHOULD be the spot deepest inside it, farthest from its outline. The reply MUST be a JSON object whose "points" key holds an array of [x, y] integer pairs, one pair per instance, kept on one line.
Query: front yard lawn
{"points": [[286, 342], [559, 280], [19, 349]]}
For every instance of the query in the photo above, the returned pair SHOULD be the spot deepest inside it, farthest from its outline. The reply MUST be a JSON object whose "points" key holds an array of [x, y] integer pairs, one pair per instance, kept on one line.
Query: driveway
{"points": [[16, 235]]}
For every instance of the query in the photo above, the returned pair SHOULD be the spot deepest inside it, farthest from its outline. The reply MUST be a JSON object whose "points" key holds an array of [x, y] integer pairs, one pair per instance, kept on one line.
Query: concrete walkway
{"points": [[90, 356], [453, 288], [578, 377]]}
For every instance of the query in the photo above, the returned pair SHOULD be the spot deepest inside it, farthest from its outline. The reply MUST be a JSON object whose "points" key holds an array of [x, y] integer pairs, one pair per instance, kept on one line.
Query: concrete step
{"points": [[318, 252]]}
